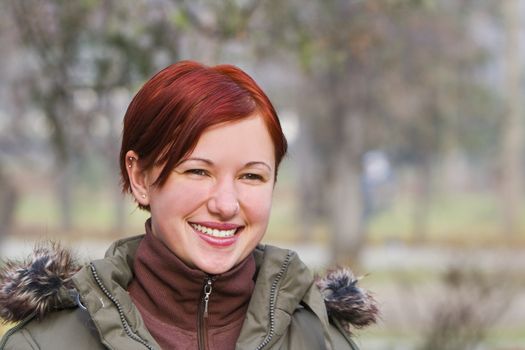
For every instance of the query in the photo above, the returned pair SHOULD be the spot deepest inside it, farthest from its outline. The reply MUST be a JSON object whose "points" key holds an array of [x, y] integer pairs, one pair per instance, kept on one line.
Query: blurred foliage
{"points": [[399, 76], [471, 303], [416, 80]]}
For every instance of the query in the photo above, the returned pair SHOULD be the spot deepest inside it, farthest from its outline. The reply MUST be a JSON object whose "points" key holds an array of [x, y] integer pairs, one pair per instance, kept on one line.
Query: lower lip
{"points": [[216, 241]]}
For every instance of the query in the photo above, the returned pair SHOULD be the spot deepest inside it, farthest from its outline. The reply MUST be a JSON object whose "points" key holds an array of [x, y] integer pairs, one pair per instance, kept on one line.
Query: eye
{"points": [[199, 172], [252, 176]]}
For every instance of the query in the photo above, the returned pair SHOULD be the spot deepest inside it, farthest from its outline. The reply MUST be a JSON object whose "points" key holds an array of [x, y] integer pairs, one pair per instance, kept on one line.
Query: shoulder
{"points": [[330, 307], [306, 328], [40, 295], [340, 338], [64, 329]]}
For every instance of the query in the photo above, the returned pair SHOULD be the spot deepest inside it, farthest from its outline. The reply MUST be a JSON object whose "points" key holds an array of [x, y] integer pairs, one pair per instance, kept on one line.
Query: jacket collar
{"points": [[102, 289], [43, 283], [283, 284]]}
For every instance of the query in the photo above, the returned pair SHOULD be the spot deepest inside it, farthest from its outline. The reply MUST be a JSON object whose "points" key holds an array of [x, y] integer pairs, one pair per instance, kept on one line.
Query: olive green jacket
{"points": [[92, 309]]}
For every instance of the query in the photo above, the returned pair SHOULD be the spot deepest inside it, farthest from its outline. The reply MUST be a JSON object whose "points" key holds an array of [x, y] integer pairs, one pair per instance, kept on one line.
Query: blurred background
{"points": [[406, 127]]}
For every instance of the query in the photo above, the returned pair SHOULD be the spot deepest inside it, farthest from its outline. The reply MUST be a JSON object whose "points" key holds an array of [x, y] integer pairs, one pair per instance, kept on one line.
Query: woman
{"points": [[200, 151]]}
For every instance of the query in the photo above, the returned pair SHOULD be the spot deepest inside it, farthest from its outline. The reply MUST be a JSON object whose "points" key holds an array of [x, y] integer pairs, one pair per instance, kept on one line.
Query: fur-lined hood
{"points": [[346, 301], [37, 285], [43, 283]]}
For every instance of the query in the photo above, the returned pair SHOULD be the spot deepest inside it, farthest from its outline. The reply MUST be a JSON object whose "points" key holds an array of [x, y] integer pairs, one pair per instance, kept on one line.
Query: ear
{"points": [[138, 178]]}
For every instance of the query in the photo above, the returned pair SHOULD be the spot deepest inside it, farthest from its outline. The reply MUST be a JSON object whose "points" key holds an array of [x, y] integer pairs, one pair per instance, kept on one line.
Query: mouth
{"points": [[217, 231]]}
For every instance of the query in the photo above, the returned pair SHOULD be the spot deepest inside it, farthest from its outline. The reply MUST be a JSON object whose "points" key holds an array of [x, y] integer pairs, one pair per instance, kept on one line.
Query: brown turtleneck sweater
{"points": [[169, 296]]}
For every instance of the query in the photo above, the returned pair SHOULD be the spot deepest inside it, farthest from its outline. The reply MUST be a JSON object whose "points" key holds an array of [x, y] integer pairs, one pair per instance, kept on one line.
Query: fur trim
{"points": [[36, 285], [345, 301]]}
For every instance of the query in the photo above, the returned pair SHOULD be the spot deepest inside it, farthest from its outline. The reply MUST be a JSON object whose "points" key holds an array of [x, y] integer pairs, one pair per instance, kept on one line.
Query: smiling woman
{"points": [[200, 151]]}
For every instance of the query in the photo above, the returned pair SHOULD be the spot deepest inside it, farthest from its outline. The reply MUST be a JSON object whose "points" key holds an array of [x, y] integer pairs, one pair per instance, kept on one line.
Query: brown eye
{"points": [[199, 172], [252, 176]]}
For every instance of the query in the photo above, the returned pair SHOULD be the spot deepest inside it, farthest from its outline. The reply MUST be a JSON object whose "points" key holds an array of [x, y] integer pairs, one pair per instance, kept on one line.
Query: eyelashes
{"points": [[252, 177], [198, 172]]}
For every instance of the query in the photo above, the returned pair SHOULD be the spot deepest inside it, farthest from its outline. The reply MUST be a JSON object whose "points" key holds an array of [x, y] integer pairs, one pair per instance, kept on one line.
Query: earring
{"points": [[131, 160], [144, 196]]}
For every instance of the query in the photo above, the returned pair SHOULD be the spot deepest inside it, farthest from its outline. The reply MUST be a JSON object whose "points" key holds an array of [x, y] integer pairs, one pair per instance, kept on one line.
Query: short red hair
{"points": [[166, 118]]}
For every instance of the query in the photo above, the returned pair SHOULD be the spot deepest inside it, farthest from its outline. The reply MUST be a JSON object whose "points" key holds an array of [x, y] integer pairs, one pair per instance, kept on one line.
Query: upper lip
{"points": [[218, 225]]}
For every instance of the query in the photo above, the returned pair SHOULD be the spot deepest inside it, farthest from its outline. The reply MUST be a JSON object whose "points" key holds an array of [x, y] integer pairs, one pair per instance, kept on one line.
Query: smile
{"points": [[214, 232]]}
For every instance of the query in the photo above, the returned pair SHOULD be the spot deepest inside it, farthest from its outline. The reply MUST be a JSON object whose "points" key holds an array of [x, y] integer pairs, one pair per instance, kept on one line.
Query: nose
{"points": [[223, 201]]}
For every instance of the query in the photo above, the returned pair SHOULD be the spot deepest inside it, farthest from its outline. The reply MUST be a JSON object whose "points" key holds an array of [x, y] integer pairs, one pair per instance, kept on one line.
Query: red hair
{"points": [[166, 118]]}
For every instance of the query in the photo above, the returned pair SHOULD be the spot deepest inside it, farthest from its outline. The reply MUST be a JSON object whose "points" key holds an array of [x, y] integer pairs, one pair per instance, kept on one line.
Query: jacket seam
{"points": [[29, 338], [18, 327], [122, 242], [344, 333]]}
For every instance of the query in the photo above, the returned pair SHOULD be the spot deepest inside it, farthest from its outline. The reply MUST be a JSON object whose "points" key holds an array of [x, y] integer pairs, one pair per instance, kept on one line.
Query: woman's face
{"points": [[214, 208]]}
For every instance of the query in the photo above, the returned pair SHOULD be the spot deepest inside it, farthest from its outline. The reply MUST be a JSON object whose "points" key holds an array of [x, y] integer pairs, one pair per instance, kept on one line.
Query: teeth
{"points": [[214, 232]]}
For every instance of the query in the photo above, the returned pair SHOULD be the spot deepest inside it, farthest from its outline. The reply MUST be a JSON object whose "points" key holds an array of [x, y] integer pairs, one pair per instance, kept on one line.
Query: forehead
{"points": [[246, 138]]}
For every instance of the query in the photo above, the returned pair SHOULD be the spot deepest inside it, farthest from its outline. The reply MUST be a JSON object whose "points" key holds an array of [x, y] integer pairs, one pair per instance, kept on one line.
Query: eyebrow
{"points": [[259, 163], [209, 162]]}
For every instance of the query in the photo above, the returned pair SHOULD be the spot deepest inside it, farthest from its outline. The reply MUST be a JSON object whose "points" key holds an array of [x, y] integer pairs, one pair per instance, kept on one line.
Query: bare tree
{"points": [[97, 48], [51, 32]]}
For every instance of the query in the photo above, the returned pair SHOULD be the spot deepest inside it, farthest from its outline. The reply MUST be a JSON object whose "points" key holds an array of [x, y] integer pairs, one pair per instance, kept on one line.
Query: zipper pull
{"points": [[207, 292]]}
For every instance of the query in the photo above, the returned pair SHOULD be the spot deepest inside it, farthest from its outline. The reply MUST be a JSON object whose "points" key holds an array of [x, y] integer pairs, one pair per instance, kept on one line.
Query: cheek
{"points": [[258, 205], [178, 198]]}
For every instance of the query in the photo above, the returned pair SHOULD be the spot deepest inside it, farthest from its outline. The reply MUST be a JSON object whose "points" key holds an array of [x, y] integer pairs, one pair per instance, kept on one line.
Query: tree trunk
{"points": [[119, 222], [512, 173], [8, 201], [64, 190], [422, 197], [308, 183], [345, 214]]}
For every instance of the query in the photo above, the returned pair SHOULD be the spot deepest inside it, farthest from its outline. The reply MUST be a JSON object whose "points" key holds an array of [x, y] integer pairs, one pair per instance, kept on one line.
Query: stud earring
{"points": [[144, 196]]}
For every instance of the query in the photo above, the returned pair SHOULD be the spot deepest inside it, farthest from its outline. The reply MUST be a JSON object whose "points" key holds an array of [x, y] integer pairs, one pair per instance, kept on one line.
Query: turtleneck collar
{"points": [[168, 291]]}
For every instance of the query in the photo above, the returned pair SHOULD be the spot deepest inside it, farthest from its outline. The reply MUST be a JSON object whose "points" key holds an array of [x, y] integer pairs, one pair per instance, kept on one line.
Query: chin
{"points": [[215, 268]]}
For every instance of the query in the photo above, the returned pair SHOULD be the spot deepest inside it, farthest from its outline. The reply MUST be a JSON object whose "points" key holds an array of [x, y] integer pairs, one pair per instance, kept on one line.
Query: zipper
{"points": [[273, 295], [202, 317], [114, 300]]}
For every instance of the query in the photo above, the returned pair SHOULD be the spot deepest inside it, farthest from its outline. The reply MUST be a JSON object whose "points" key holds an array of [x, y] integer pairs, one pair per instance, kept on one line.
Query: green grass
{"points": [[451, 218], [91, 212], [36, 209]]}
